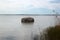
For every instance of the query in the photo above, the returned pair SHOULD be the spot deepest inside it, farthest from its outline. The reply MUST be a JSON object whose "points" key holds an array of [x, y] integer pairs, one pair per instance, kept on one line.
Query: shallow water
{"points": [[11, 27]]}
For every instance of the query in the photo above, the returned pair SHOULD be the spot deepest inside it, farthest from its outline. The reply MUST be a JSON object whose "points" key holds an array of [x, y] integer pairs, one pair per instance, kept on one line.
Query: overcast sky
{"points": [[29, 6]]}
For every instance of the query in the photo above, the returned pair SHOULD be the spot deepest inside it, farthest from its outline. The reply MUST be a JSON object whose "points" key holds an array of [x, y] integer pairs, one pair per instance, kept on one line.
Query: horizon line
{"points": [[29, 14]]}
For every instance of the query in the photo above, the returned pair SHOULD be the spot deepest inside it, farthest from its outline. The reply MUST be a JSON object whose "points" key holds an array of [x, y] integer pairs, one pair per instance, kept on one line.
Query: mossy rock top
{"points": [[27, 20]]}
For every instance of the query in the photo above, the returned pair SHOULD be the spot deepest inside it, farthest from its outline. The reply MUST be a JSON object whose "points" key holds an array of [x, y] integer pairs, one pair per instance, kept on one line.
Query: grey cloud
{"points": [[55, 1]]}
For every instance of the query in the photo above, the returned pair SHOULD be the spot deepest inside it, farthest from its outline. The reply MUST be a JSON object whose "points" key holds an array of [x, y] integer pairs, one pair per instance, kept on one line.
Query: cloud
{"points": [[39, 11], [55, 4], [55, 1], [14, 4], [23, 4], [30, 11], [27, 6]]}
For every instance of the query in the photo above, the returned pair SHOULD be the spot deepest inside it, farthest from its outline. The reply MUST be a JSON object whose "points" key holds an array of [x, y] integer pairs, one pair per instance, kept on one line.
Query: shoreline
{"points": [[29, 14]]}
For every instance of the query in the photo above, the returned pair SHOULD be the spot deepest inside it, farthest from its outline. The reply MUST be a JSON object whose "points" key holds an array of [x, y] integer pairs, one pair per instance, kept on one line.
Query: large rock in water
{"points": [[27, 20]]}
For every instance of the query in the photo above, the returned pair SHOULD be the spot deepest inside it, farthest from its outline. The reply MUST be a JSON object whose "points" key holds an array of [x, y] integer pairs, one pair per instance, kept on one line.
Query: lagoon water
{"points": [[11, 27]]}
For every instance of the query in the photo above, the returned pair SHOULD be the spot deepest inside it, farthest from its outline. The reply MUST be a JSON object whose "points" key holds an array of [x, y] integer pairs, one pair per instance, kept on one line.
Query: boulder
{"points": [[27, 20]]}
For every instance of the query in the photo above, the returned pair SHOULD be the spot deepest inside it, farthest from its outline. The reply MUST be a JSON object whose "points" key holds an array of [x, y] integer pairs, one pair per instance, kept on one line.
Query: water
{"points": [[11, 27]]}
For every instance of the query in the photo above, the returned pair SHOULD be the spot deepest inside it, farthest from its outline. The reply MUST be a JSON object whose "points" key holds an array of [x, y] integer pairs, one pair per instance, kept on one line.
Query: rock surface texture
{"points": [[27, 20]]}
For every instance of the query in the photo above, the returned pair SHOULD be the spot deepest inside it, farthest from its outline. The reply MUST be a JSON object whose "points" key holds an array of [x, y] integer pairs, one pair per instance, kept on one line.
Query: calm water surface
{"points": [[11, 27]]}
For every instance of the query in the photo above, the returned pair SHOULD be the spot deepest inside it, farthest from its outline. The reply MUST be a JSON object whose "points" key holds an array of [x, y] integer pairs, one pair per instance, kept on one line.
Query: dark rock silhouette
{"points": [[27, 20]]}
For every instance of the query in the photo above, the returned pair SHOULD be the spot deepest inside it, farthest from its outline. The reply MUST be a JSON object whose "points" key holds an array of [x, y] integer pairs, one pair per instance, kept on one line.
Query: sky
{"points": [[29, 6]]}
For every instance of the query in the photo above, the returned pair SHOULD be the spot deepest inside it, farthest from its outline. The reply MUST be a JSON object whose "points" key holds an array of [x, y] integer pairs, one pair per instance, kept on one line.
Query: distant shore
{"points": [[29, 14]]}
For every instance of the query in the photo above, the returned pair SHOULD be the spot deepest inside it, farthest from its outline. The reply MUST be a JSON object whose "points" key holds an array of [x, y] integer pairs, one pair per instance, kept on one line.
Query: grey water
{"points": [[11, 27]]}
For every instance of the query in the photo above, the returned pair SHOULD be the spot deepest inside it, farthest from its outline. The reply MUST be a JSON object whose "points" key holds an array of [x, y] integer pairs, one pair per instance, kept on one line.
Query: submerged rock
{"points": [[27, 20]]}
